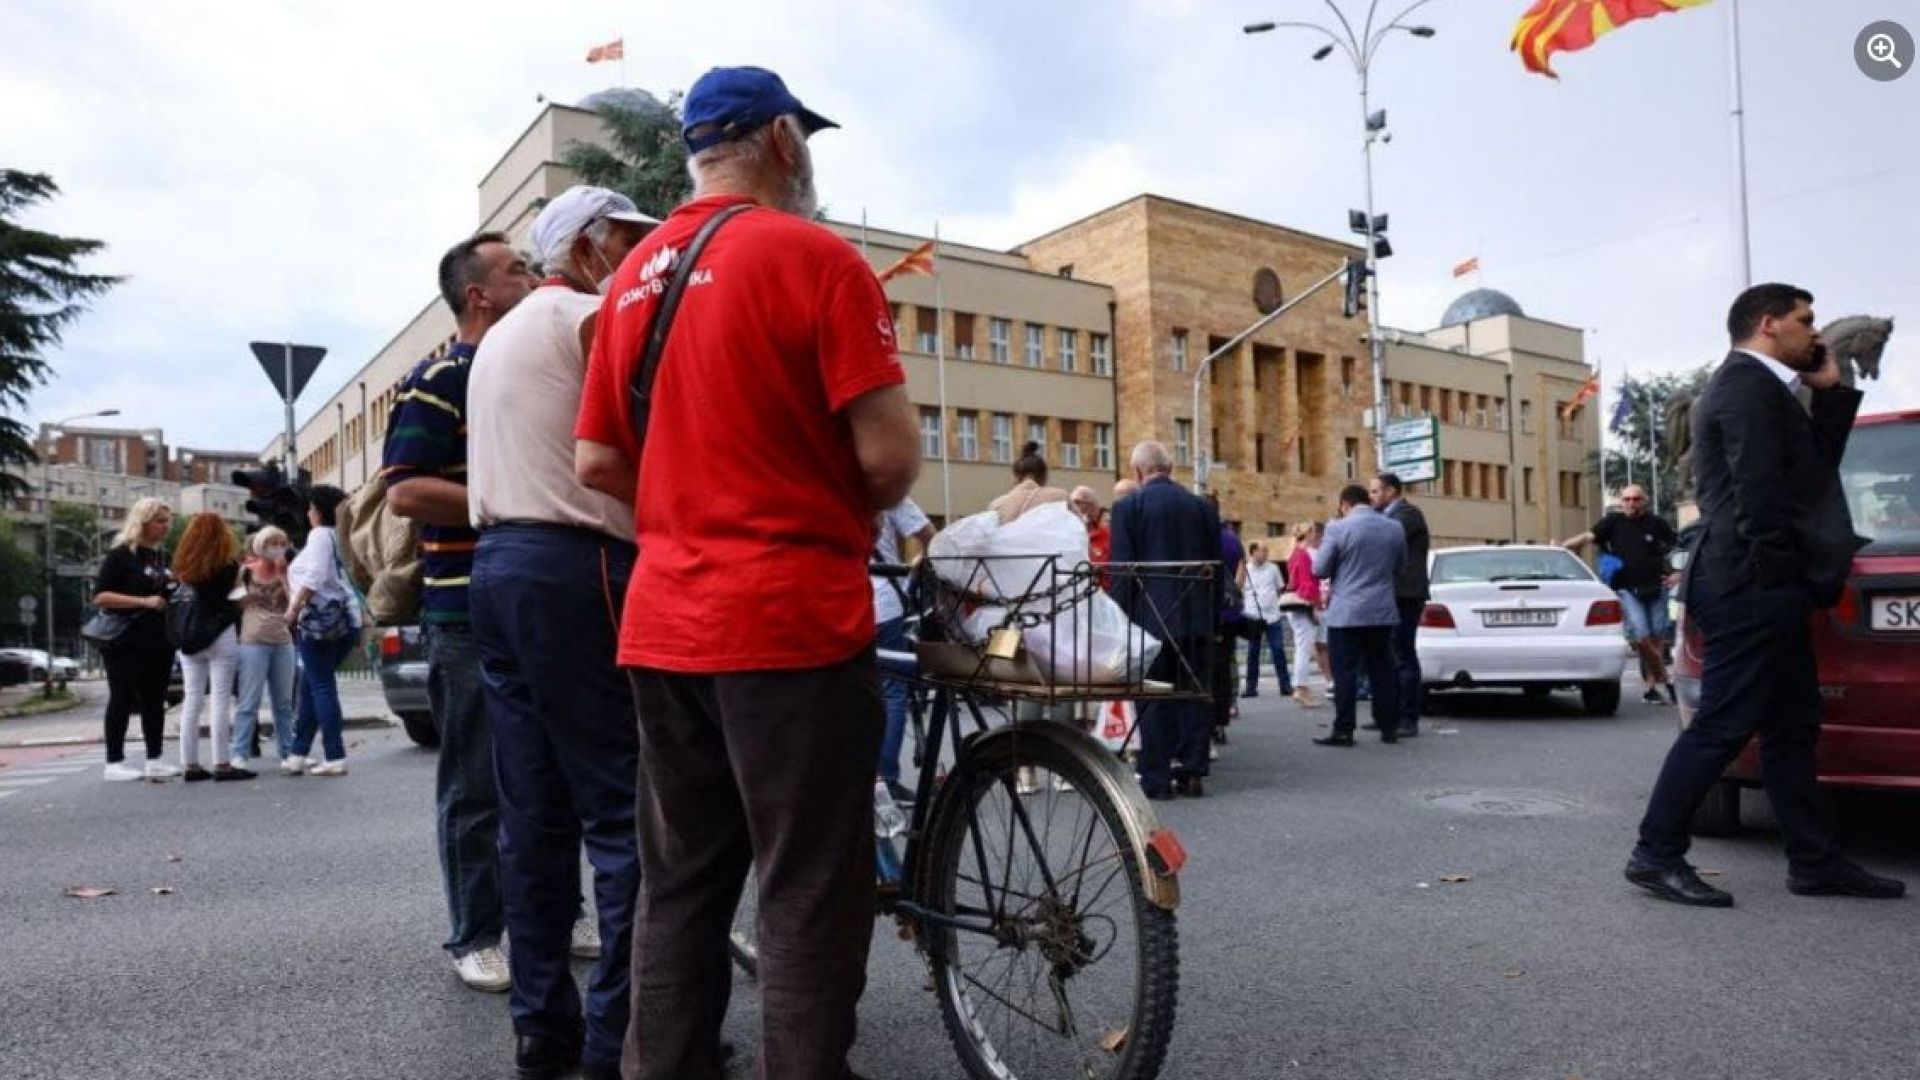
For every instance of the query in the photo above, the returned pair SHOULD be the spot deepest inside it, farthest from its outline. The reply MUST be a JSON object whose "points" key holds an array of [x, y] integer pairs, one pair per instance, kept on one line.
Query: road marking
{"points": [[4, 793], [25, 781], [61, 769]]}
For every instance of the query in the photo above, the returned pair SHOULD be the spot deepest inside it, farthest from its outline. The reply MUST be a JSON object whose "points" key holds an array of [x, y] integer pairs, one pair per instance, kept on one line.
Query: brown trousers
{"points": [[773, 770]]}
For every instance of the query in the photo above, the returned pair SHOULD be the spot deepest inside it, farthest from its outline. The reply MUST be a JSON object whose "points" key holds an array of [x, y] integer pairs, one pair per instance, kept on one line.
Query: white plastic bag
{"points": [[1014, 557], [1091, 642]]}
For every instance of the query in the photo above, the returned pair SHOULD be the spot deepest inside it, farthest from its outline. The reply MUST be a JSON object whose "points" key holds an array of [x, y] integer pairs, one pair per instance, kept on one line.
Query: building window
{"points": [[1003, 438], [926, 330], [1500, 422], [1037, 433], [1179, 350], [1500, 483], [969, 432], [1069, 347], [1183, 442], [1526, 484], [1348, 369], [1526, 424], [1353, 459], [1426, 400], [1259, 453], [963, 335], [1103, 447], [930, 440], [1486, 481], [1102, 349], [1276, 528], [1036, 345], [1448, 471], [1070, 444], [999, 337]]}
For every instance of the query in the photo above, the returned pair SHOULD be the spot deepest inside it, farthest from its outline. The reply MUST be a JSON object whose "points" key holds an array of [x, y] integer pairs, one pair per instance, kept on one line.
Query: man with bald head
{"points": [[1086, 504], [1164, 522], [1124, 488], [1641, 540]]}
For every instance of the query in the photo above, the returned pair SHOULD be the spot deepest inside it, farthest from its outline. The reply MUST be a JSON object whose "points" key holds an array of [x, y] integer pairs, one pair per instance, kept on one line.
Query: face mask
{"points": [[275, 553], [606, 279]]}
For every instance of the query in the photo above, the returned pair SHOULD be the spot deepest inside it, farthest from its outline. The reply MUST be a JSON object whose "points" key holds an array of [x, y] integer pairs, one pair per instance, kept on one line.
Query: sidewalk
{"points": [[360, 699]]}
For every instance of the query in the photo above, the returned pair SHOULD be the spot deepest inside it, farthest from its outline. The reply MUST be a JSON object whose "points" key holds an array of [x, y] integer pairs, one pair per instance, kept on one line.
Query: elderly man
{"points": [[1163, 522], [424, 465], [778, 426], [550, 571], [1641, 540], [1361, 558], [1086, 504]]}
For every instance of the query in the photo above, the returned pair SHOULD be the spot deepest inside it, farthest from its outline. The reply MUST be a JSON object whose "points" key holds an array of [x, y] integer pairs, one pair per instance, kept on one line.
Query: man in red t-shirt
{"points": [[779, 426]]}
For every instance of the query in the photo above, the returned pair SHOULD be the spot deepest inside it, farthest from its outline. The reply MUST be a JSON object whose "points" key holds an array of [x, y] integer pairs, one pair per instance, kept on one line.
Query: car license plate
{"points": [[1897, 613], [1519, 618]]}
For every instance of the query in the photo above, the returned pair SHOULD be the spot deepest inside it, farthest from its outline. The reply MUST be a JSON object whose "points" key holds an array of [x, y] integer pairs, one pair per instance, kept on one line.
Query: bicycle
{"points": [[1036, 882]]}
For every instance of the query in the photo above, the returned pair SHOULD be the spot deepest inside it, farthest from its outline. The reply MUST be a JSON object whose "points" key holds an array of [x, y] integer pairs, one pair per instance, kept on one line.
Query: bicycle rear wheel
{"points": [[1069, 969]]}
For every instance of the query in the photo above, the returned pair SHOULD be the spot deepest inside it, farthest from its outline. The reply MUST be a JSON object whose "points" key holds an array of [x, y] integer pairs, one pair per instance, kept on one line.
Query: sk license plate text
{"points": [[1519, 618], [1897, 613]]}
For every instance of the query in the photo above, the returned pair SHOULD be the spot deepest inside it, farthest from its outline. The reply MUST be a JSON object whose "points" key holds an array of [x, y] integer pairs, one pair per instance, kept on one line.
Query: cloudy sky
{"points": [[269, 170]]}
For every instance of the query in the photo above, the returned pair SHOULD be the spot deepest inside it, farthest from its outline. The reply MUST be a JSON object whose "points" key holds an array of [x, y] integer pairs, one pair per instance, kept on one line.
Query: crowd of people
{"points": [[649, 482]]}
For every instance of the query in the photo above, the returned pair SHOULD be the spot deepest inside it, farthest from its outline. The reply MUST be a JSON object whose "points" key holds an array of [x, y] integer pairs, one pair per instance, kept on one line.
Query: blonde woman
{"points": [[133, 584], [207, 561], [266, 646]]}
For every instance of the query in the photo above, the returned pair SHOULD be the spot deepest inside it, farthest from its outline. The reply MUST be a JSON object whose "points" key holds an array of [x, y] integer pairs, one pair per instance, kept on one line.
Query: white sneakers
{"points": [[119, 772], [586, 938], [160, 770], [328, 768], [484, 970], [293, 764]]}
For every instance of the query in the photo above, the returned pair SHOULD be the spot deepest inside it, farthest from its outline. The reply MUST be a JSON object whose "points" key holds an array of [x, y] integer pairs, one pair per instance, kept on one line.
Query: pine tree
{"points": [[41, 292], [647, 161]]}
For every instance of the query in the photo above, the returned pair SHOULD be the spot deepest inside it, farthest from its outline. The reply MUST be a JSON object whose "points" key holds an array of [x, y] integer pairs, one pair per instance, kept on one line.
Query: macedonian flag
{"points": [[1552, 26]]}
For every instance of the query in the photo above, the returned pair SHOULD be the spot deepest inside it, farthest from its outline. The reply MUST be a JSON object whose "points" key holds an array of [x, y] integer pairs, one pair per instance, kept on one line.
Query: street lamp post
{"points": [[1361, 44], [46, 538]]}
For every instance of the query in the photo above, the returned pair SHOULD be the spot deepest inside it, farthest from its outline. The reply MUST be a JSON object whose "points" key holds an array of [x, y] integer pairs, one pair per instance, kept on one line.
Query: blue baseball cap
{"points": [[731, 103]]}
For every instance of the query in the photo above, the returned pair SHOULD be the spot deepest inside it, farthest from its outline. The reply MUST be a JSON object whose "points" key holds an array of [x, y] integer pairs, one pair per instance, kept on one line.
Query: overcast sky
{"points": [[267, 170]]}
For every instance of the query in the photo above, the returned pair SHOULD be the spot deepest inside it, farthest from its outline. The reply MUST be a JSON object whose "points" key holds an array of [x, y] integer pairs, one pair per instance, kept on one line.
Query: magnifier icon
{"points": [[1883, 50]]}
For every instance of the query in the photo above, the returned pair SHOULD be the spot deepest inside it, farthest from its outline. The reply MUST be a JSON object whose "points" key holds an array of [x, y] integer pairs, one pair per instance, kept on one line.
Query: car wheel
{"points": [[1719, 813], [421, 729], [1600, 698], [1537, 693]]}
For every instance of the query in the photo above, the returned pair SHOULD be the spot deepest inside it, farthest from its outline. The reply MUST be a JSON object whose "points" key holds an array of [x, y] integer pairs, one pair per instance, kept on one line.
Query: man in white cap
{"points": [[549, 576]]}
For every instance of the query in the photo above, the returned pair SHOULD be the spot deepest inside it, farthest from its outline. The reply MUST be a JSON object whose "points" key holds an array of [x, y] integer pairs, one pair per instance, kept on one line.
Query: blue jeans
{"points": [[545, 604], [319, 697], [467, 803], [265, 670], [892, 634], [1646, 618], [1275, 636]]}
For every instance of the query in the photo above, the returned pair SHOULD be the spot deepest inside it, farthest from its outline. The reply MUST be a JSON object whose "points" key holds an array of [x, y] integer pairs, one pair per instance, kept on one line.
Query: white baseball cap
{"points": [[567, 214]]}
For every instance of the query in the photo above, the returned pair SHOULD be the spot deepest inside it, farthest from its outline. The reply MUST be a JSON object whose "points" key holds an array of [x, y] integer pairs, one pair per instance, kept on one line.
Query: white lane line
{"points": [[4, 794], [25, 781], [45, 770]]}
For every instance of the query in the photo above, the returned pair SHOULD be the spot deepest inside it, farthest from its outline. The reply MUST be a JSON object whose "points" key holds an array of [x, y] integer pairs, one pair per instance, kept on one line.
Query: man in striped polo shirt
{"points": [[425, 468]]}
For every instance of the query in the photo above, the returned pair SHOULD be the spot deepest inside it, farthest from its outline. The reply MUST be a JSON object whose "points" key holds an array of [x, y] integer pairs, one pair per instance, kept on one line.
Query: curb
{"points": [[350, 723]]}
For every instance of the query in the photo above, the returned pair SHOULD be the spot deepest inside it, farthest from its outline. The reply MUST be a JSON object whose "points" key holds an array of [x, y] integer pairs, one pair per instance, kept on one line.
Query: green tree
{"points": [[19, 576], [1637, 445], [42, 291], [647, 161]]}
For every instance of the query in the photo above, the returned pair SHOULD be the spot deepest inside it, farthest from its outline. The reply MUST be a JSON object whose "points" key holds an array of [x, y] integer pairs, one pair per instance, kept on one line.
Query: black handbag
{"points": [[193, 621], [107, 628]]}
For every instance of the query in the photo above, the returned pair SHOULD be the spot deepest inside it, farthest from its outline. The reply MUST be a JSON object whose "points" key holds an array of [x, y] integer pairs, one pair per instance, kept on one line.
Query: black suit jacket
{"points": [[1766, 476], [1411, 582], [1163, 522]]}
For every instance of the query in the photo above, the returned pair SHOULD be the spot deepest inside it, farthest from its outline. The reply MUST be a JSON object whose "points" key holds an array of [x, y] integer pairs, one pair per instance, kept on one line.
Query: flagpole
{"points": [[863, 232], [940, 368], [1739, 144], [1600, 367], [1653, 466]]}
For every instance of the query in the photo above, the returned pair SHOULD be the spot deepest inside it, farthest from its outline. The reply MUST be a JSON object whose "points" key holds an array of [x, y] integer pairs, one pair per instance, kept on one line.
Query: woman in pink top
{"points": [[1302, 598]]}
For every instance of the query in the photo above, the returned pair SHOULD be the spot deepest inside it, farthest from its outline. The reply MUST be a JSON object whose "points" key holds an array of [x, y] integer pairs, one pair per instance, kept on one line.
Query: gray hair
{"points": [[743, 164], [559, 255], [1151, 457], [270, 534]]}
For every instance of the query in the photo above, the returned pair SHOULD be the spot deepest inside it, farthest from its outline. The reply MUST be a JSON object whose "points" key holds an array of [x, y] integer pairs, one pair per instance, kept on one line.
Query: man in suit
{"points": [[1410, 593], [1163, 522], [1776, 544], [1361, 558]]}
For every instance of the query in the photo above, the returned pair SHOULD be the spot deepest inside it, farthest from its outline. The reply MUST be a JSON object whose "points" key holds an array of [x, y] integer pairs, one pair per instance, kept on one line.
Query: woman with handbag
{"points": [[326, 623], [1298, 602], [202, 616], [1262, 583], [130, 630], [266, 647]]}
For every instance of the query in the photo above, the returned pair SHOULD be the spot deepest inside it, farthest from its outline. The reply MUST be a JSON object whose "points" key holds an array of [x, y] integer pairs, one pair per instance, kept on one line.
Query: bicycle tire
{"points": [[743, 937], [1012, 768]]}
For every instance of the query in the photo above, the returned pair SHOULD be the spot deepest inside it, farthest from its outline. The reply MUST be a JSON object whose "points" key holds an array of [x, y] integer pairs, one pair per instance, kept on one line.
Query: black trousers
{"points": [[774, 770], [1406, 662], [137, 680], [1759, 677], [1176, 735], [1353, 649]]}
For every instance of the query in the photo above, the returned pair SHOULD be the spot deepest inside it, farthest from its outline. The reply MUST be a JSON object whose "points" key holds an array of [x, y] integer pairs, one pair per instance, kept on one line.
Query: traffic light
{"points": [[1355, 289], [276, 502]]}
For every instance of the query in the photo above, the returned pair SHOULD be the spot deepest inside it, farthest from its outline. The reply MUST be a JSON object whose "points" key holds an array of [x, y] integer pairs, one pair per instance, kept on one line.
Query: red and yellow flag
{"points": [[917, 261], [612, 50], [1587, 390], [1552, 26], [1470, 266]]}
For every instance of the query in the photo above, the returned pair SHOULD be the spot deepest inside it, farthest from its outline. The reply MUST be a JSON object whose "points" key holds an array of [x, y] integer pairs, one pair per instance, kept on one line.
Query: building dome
{"points": [[1479, 304], [631, 98]]}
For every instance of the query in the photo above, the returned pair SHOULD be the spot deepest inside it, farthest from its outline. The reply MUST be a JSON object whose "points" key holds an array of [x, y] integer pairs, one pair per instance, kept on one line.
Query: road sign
{"points": [[1419, 471], [1425, 427], [28, 606], [1406, 453], [273, 360]]}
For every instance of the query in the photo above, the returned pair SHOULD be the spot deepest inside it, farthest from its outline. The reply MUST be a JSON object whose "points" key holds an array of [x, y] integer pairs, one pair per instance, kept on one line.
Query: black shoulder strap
{"points": [[640, 391]]}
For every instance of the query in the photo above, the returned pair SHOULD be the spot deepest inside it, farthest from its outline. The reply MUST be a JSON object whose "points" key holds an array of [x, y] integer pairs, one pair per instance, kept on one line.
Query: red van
{"points": [[1868, 646]]}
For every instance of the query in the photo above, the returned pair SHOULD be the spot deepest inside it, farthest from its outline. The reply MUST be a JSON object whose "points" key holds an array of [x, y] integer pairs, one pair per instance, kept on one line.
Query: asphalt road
{"points": [[1317, 938]]}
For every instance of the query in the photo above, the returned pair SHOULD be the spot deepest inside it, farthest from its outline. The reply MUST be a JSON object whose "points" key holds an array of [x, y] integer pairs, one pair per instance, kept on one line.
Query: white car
{"points": [[1526, 617], [63, 668]]}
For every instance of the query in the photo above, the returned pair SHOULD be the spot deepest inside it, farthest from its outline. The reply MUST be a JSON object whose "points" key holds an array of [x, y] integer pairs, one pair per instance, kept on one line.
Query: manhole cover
{"points": [[1504, 803]]}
